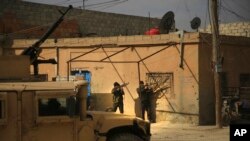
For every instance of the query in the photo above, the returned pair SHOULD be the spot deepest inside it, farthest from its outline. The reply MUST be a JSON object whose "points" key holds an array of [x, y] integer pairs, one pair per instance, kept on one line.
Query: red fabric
{"points": [[153, 31]]}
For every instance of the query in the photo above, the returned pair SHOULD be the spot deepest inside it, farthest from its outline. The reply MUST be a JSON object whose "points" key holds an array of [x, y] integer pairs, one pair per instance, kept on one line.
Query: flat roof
{"points": [[136, 40]]}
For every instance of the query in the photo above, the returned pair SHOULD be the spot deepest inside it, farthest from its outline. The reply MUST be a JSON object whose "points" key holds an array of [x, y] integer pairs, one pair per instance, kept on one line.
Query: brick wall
{"points": [[235, 29], [18, 16]]}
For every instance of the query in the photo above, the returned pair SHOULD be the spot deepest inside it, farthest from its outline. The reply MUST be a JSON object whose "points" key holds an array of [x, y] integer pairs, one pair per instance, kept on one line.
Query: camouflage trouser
{"points": [[118, 104], [145, 106]]}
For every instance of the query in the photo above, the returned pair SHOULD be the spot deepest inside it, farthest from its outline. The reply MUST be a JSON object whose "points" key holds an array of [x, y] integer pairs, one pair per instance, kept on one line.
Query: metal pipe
{"points": [[142, 59], [83, 94], [57, 59], [19, 116], [82, 54], [139, 72], [95, 61], [115, 53], [118, 74], [68, 71]]}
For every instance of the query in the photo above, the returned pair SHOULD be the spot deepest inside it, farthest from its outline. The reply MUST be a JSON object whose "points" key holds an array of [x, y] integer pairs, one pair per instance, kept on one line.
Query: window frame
{"points": [[47, 95], [3, 97], [171, 80]]}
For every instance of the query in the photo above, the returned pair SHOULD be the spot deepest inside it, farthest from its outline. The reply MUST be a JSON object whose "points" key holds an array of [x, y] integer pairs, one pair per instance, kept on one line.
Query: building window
{"points": [[162, 83], [245, 80], [3, 107]]}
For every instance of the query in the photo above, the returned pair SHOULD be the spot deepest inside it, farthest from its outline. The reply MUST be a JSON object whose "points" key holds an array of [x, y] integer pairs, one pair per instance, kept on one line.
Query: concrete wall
{"points": [[234, 29], [206, 84], [192, 98], [20, 19], [183, 98], [14, 67], [235, 53]]}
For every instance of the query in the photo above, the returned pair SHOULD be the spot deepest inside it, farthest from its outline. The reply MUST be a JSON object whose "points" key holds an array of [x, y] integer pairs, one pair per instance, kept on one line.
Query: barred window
{"points": [[161, 82], [163, 87]]}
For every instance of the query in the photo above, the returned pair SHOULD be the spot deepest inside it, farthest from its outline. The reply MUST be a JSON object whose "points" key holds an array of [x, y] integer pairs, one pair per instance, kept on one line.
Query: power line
{"points": [[108, 5], [107, 2], [226, 7], [207, 13], [241, 6], [62, 2], [234, 13], [187, 9], [66, 20]]}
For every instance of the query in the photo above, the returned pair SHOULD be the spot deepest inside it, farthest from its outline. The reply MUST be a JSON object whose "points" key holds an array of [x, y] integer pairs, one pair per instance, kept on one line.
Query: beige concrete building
{"points": [[187, 92]]}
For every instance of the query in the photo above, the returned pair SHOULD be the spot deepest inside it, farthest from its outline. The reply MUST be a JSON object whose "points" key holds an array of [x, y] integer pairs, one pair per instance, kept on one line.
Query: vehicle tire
{"points": [[124, 137]]}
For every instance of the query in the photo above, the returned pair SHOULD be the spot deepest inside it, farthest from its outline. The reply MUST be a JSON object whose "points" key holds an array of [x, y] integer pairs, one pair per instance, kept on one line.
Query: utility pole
{"points": [[83, 4], [216, 60]]}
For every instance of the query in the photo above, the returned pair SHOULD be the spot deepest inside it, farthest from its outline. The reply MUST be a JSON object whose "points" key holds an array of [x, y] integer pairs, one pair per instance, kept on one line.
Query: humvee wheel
{"points": [[124, 137]]}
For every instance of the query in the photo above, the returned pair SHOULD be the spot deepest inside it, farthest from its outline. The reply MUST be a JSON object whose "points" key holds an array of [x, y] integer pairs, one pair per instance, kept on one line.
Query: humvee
{"points": [[56, 111]]}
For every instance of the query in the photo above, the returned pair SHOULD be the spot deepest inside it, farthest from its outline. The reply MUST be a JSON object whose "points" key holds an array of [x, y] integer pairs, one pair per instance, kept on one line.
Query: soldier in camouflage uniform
{"points": [[118, 93]]}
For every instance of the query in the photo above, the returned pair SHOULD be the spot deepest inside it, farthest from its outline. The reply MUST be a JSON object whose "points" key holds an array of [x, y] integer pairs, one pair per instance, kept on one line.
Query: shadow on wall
{"points": [[6, 42], [137, 107]]}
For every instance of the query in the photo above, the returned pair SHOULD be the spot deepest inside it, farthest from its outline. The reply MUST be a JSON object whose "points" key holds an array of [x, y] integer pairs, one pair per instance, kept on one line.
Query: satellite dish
{"points": [[195, 23], [167, 22]]}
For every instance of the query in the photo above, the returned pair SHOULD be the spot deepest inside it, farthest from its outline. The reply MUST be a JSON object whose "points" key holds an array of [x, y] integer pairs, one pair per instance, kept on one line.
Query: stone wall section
{"points": [[234, 29], [19, 19]]}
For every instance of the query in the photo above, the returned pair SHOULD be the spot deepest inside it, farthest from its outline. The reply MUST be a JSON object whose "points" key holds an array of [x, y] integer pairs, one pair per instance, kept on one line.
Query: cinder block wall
{"points": [[235, 29], [19, 19]]}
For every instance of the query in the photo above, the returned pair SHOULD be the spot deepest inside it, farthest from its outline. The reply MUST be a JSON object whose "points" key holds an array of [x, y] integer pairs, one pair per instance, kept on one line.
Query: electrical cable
{"points": [[114, 4], [228, 8], [241, 6], [41, 26], [205, 23], [234, 13], [187, 9]]}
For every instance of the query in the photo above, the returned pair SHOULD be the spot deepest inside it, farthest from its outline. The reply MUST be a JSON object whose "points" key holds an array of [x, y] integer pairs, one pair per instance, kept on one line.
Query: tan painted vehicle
{"points": [[56, 111]]}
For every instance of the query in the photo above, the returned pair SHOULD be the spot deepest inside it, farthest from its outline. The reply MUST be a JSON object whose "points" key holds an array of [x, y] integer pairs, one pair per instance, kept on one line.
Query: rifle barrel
{"points": [[34, 50]]}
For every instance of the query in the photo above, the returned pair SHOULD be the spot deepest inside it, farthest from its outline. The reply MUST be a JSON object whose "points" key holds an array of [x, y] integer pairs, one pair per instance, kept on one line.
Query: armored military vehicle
{"points": [[35, 110], [56, 111]]}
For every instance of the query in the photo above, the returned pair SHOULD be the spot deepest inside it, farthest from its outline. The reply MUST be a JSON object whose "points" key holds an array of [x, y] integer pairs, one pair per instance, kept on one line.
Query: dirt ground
{"points": [[164, 131]]}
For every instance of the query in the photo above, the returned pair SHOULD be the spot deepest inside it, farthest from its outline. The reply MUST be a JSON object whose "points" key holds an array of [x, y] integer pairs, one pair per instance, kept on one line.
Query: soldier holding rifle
{"points": [[118, 95], [145, 93]]}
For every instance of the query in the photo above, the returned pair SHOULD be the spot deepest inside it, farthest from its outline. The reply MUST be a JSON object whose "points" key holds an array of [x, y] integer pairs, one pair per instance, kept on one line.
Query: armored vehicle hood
{"points": [[107, 120]]}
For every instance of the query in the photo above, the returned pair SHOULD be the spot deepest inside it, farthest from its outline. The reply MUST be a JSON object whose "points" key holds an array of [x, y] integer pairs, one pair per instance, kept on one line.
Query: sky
{"points": [[184, 10]]}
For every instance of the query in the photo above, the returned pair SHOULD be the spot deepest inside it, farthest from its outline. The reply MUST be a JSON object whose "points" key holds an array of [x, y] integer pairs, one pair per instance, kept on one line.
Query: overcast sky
{"points": [[185, 10]]}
